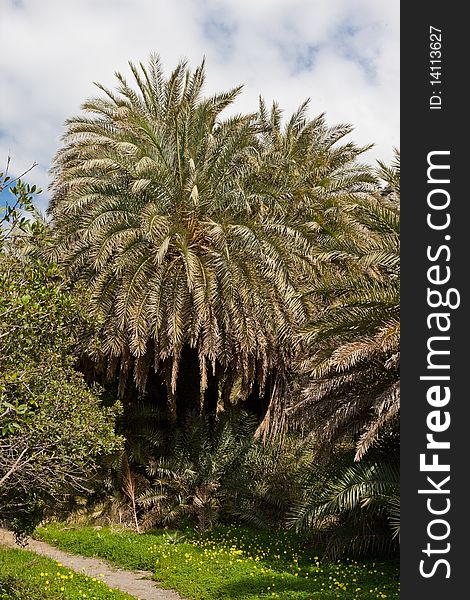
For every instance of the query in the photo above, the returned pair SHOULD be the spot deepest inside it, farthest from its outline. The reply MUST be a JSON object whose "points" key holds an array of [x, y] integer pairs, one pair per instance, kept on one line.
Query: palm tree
{"points": [[307, 163], [351, 357], [308, 171], [151, 209], [189, 230]]}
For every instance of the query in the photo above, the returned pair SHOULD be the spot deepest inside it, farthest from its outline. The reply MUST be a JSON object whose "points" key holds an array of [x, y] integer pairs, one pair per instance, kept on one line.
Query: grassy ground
{"points": [[233, 563], [27, 576]]}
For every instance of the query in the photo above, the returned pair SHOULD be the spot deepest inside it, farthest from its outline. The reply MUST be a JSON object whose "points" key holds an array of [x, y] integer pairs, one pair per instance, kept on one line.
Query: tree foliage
{"points": [[351, 346], [188, 227], [358, 507], [52, 425]]}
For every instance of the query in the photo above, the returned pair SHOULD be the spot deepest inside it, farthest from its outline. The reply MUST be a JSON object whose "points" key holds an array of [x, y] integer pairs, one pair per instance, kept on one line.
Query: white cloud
{"points": [[344, 54]]}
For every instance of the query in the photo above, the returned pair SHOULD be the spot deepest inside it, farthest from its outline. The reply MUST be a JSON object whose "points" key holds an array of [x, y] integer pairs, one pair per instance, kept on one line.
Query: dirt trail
{"points": [[135, 583]]}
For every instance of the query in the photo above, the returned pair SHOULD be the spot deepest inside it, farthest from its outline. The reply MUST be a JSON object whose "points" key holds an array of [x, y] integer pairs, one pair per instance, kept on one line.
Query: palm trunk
{"points": [[257, 403], [254, 402], [211, 396], [188, 385], [156, 389], [226, 391]]}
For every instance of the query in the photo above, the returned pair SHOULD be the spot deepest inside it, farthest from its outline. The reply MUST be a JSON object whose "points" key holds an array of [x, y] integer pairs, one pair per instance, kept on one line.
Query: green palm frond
{"points": [[351, 506]]}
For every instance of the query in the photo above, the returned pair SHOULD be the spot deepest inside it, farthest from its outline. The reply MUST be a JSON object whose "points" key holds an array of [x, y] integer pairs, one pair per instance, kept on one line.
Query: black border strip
{"points": [[433, 132]]}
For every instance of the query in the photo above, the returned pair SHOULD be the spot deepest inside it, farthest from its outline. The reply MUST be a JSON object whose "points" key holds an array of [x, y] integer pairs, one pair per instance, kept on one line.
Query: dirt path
{"points": [[135, 583]]}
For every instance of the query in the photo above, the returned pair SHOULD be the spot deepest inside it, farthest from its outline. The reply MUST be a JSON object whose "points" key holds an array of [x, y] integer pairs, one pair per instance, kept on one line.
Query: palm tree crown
{"points": [[193, 231], [151, 207]]}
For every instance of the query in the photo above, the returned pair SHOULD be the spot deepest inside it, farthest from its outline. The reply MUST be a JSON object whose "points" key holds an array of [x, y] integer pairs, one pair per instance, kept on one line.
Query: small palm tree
{"points": [[359, 508], [202, 472]]}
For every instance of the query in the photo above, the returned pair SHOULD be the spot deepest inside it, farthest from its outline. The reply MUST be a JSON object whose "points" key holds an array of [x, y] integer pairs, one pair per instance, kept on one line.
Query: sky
{"points": [[342, 54]]}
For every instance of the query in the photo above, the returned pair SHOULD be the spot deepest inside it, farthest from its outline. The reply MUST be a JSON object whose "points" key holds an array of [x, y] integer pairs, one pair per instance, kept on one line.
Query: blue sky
{"points": [[343, 54]]}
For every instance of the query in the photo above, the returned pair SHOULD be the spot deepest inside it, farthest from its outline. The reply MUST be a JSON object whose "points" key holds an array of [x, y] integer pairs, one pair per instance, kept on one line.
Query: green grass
{"points": [[27, 576], [233, 563]]}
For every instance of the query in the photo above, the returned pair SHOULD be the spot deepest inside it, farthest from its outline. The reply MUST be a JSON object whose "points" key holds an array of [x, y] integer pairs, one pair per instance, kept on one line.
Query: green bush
{"points": [[52, 425]]}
